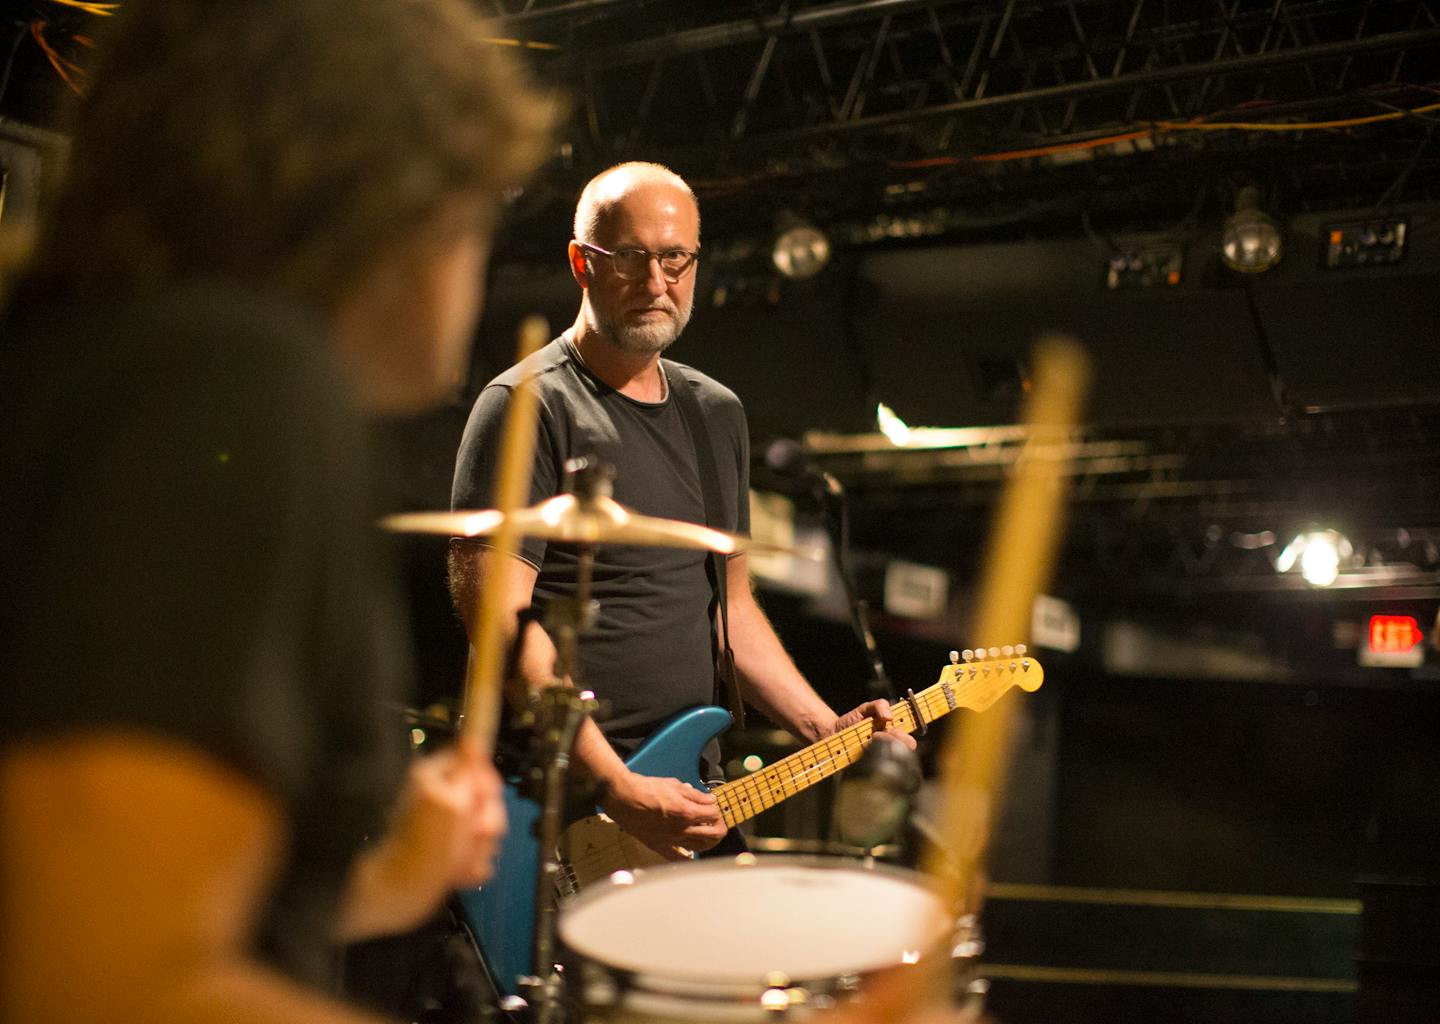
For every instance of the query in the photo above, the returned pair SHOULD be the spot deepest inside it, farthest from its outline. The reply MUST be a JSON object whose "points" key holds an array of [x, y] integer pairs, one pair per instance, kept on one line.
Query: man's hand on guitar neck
{"points": [[879, 710], [667, 815]]}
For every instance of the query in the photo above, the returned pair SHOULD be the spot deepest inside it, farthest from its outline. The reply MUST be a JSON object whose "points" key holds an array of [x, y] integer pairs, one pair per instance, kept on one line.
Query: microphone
{"points": [[875, 794], [788, 458]]}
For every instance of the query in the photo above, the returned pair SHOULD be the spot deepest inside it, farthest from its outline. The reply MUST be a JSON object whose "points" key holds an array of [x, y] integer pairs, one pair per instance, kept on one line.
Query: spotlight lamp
{"points": [[1250, 241], [1318, 554], [801, 249]]}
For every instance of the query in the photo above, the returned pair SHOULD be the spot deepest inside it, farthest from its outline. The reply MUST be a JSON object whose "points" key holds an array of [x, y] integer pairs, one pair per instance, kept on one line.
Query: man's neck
{"points": [[634, 375]]}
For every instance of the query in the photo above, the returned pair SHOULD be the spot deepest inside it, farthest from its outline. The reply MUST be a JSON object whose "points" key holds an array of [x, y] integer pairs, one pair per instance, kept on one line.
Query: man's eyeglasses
{"points": [[633, 264]]}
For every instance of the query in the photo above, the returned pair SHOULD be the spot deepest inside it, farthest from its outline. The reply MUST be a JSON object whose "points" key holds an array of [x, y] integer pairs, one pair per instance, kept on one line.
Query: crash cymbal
{"points": [[565, 519], [480, 523]]}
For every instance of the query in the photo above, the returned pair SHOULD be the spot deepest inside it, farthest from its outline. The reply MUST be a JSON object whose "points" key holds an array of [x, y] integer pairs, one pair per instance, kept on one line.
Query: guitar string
{"points": [[860, 734], [931, 702], [960, 688], [851, 741]]}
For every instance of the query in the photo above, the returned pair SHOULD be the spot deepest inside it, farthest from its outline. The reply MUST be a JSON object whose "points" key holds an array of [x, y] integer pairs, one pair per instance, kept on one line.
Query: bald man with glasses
{"points": [[605, 392]]}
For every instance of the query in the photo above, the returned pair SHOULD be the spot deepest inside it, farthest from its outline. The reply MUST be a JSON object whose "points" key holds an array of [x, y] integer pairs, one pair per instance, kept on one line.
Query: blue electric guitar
{"points": [[500, 914]]}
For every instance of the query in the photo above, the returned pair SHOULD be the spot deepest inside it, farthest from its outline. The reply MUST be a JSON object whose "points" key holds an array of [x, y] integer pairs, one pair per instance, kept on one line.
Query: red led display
{"points": [[1394, 634]]}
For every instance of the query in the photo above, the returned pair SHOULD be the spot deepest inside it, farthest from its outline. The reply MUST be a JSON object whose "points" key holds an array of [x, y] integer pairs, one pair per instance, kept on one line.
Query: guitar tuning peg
{"points": [[1008, 651], [1020, 650], [954, 657], [994, 652], [968, 654]]}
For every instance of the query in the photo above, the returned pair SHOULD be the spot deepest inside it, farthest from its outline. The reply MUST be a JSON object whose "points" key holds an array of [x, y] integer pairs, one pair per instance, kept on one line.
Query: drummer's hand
{"points": [[444, 835], [454, 815], [879, 710], [901, 995], [667, 815]]}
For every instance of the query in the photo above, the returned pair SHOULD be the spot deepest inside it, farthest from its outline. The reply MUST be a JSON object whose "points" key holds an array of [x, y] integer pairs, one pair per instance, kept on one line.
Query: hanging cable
{"points": [[1157, 128], [1292, 126], [20, 29], [1278, 391], [64, 68]]}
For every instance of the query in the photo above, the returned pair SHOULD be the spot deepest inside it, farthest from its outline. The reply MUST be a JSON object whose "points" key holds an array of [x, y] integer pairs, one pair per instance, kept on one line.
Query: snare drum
{"points": [[746, 938]]}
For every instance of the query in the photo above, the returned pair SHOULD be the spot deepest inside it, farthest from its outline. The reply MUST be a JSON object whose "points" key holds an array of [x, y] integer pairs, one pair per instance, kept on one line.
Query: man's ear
{"points": [[580, 265]]}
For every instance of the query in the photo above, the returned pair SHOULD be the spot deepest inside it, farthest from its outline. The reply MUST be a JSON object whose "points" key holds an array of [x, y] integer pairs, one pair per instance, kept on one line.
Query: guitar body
{"points": [[501, 913], [673, 750]]}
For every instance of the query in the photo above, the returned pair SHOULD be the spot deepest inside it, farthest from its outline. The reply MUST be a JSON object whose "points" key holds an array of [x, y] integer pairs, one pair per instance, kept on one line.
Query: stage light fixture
{"points": [[1250, 242], [1319, 555], [801, 249]]}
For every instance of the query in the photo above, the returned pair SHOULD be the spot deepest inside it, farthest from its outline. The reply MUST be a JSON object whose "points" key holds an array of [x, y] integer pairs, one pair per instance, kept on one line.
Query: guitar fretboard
{"points": [[972, 684]]}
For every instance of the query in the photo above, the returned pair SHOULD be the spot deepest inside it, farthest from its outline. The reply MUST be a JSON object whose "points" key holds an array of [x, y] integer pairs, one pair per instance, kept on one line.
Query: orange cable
{"points": [[59, 63], [1296, 126], [1161, 128]]}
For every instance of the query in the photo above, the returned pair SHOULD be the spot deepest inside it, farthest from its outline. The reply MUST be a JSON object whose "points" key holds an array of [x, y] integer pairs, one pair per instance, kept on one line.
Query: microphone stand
{"points": [[831, 495]]}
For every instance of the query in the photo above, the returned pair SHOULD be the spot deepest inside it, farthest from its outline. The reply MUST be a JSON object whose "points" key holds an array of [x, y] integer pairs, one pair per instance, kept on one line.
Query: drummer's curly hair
{"points": [[287, 144]]}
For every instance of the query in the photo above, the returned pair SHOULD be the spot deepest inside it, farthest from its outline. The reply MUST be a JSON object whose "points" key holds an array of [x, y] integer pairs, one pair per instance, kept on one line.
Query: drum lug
{"points": [[967, 941], [780, 1001], [599, 989], [513, 1004], [971, 988]]}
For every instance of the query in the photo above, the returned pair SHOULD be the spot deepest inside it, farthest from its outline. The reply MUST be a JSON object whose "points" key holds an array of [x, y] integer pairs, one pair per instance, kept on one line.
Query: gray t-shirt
{"points": [[650, 652]]}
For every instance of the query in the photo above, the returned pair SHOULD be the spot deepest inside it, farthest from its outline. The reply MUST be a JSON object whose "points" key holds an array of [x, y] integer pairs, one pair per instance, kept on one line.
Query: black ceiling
{"points": [[886, 120], [901, 118]]}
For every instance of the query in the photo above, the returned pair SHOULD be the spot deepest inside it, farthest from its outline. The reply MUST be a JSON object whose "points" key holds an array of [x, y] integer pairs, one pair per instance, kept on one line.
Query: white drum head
{"points": [[731, 922]]}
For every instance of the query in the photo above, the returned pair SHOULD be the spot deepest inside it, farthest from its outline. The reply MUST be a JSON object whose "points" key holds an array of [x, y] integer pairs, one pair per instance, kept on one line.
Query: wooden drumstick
{"points": [[483, 685], [1019, 561]]}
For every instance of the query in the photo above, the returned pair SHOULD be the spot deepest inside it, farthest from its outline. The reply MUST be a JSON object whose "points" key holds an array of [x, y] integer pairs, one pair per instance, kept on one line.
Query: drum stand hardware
{"points": [[969, 986], [564, 708], [584, 517]]}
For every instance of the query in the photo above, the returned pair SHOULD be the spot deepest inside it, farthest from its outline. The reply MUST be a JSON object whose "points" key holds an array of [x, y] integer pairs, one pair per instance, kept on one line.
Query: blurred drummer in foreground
{"points": [[276, 216]]}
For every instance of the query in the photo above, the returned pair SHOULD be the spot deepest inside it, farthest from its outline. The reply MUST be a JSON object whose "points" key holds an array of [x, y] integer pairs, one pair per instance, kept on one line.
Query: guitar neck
{"points": [[974, 684]]}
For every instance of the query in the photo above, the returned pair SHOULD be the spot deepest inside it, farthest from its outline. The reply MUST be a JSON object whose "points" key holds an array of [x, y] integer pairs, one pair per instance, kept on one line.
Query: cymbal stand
{"points": [[563, 710]]}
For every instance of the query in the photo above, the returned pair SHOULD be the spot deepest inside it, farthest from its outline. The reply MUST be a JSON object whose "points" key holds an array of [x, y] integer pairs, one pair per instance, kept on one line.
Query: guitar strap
{"points": [[715, 564]]}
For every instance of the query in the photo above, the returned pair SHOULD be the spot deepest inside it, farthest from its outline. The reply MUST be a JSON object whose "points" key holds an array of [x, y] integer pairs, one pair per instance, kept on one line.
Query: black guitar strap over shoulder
{"points": [[714, 565]]}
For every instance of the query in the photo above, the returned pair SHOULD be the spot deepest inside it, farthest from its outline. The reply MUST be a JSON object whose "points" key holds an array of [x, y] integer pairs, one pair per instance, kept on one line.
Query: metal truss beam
{"points": [[891, 66], [1386, 43]]}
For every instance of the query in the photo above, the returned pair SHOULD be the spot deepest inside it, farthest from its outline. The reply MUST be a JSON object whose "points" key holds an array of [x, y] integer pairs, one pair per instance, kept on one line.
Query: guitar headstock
{"points": [[981, 676]]}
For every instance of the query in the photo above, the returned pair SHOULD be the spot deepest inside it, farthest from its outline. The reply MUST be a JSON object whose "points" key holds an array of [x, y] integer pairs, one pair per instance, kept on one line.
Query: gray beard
{"points": [[645, 339]]}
